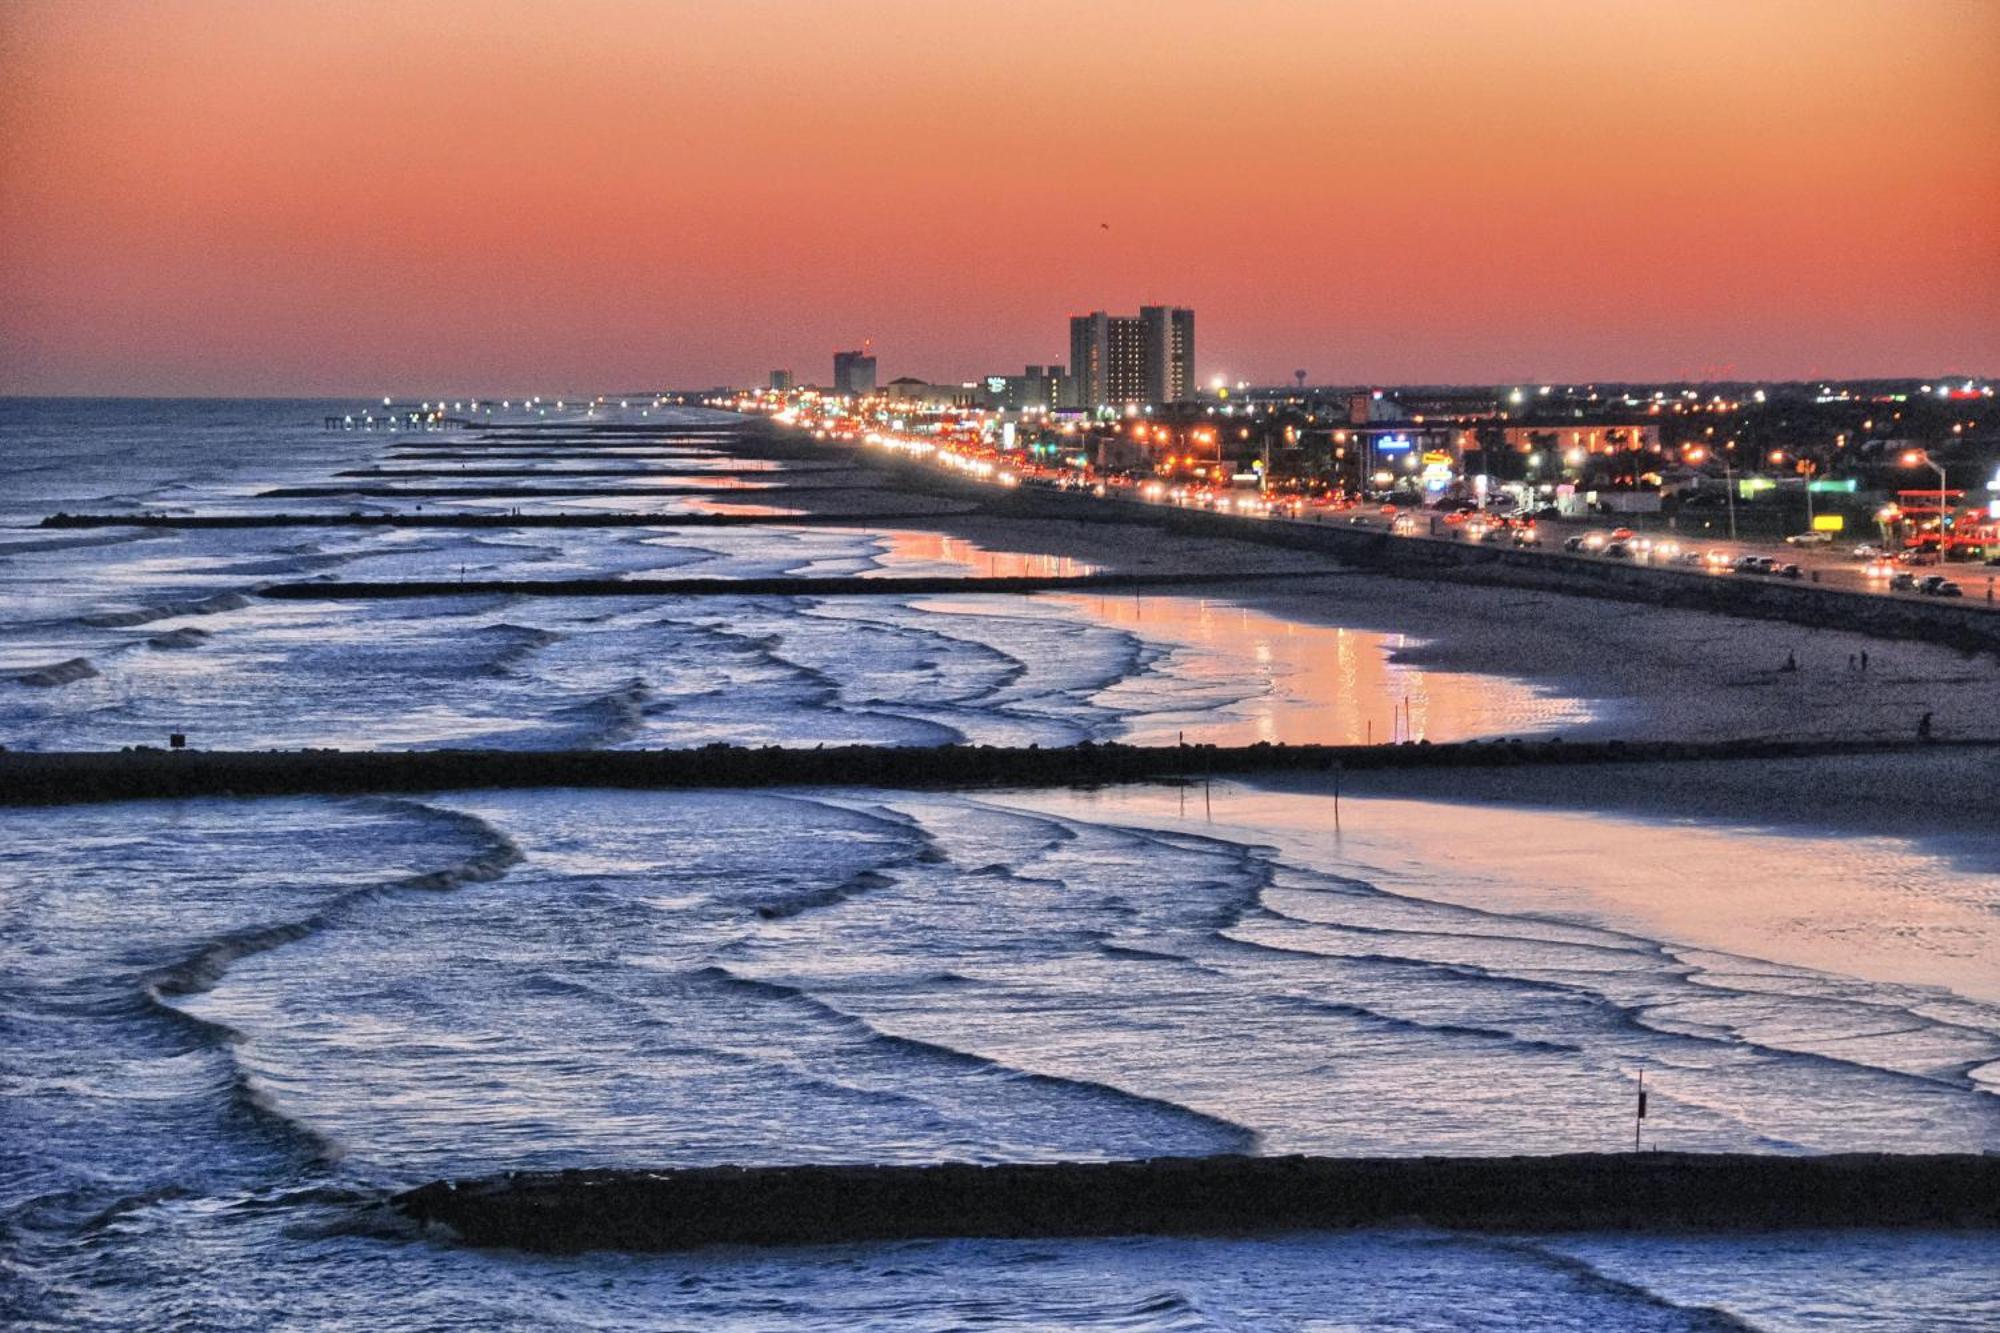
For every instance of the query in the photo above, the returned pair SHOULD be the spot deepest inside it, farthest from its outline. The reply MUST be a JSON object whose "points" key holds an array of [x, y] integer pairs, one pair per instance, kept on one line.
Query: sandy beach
{"points": [[1643, 672]]}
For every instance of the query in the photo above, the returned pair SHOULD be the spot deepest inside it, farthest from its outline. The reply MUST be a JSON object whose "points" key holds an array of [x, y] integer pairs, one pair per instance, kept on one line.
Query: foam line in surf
{"points": [[1228, 1134]]}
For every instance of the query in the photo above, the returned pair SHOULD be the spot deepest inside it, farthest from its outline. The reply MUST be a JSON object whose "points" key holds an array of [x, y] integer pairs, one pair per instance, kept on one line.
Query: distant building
{"points": [[1043, 388], [923, 393], [1167, 349], [853, 372], [1107, 355], [781, 380], [1372, 406], [1143, 358], [1594, 437]]}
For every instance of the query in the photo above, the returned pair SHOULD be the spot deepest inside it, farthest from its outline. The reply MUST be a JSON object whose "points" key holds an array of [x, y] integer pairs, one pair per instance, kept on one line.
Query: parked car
{"points": [[1903, 583], [1867, 551], [1937, 585], [1573, 544], [1789, 572]]}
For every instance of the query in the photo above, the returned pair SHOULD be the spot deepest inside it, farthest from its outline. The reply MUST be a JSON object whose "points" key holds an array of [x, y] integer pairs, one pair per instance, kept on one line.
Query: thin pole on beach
{"points": [[1181, 738], [1639, 1112]]}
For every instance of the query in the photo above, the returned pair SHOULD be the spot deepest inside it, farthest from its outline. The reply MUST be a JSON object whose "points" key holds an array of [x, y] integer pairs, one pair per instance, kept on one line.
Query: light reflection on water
{"points": [[1880, 908], [906, 552], [1310, 684]]}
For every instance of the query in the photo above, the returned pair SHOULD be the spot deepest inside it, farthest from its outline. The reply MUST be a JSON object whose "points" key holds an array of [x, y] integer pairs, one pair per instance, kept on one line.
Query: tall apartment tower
{"points": [[1147, 358], [781, 380], [1106, 356], [853, 372], [1167, 334]]}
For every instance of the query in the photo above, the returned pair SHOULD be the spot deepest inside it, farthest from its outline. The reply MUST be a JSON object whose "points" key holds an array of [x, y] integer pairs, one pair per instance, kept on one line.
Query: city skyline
{"points": [[805, 664], [387, 199]]}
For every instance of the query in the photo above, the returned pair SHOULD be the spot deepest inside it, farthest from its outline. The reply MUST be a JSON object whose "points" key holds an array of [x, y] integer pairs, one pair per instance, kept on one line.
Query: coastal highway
{"points": [[1833, 566], [1830, 566]]}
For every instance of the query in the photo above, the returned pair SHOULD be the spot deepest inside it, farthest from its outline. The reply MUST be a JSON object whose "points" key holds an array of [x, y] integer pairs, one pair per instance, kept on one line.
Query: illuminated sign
{"points": [[1830, 485], [1393, 444], [1829, 522]]}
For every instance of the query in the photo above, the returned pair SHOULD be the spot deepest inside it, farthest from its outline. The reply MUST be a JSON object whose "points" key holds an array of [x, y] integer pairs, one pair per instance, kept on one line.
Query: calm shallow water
{"points": [[232, 1026]]}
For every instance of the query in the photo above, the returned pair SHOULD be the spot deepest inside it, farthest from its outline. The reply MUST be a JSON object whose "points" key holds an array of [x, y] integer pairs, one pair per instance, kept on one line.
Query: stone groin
{"points": [[472, 519], [573, 1211], [782, 586], [37, 778], [558, 491]]}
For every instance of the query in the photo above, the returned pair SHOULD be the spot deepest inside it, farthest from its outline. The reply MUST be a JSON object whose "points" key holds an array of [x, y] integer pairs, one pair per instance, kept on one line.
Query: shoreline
{"points": [[1645, 672]]}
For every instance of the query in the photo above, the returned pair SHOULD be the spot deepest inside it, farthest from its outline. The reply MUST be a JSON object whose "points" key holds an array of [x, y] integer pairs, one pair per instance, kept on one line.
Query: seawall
{"points": [[668, 1210]]}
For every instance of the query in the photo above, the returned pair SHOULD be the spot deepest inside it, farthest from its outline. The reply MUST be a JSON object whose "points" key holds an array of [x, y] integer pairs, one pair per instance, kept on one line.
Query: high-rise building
{"points": [[853, 372], [1106, 357], [1168, 337], [781, 380], [1143, 358]]}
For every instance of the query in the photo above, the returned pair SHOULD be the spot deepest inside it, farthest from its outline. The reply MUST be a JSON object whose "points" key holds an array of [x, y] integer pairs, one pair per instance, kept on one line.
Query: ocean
{"points": [[232, 1028]]}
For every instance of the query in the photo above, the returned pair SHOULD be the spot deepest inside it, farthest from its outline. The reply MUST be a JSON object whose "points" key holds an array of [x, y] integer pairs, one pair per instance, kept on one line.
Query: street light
{"points": [[1916, 456], [1729, 494]]}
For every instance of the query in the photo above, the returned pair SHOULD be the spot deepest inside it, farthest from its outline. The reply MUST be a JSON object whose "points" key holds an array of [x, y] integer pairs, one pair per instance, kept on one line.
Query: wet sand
{"points": [[1644, 672], [1704, 855]]}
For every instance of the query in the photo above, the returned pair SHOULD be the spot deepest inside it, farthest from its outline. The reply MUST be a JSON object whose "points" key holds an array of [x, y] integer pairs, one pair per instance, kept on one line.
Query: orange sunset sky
{"points": [[502, 197]]}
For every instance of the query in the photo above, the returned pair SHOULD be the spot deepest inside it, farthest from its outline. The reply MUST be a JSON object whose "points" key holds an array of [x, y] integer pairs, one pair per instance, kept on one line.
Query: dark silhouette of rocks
{"points": [[30, 778], [666, 1210]]}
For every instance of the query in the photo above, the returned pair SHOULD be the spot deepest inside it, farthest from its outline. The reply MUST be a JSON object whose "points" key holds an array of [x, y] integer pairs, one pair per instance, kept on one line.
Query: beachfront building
{"points": [[1105, 355], [1143, 358], [853, 373], [1167, 353], [781, 381], [1040, 389], [908, 389]]}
